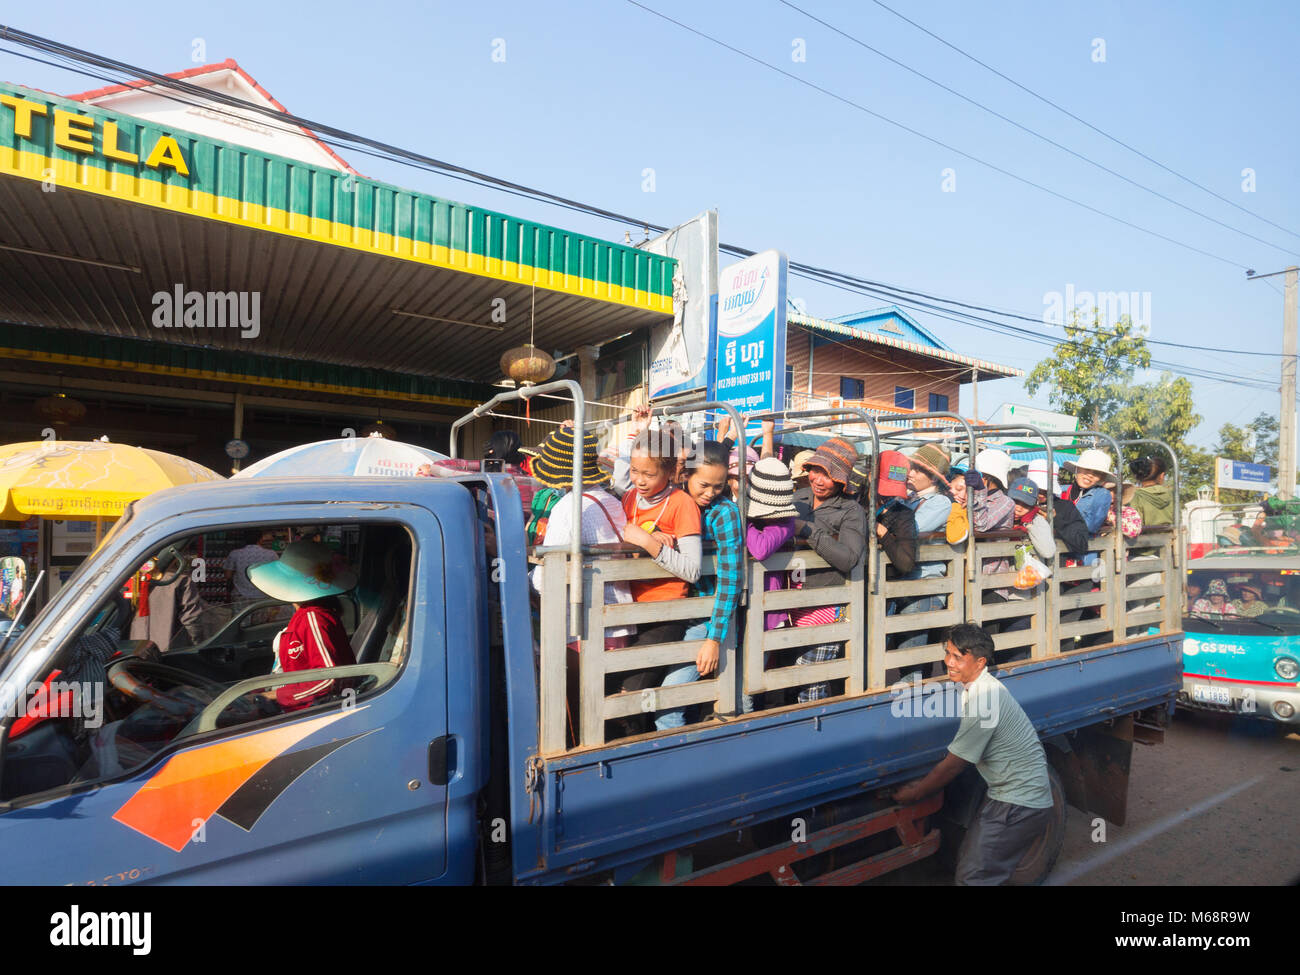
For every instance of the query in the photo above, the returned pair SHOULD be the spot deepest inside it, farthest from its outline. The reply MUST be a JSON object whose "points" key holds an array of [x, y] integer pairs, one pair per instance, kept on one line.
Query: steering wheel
{"points": [[129, 677], [172, 556]]}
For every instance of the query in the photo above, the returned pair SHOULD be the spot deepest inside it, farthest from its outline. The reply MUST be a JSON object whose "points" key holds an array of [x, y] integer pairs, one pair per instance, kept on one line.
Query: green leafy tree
{"points": [[1264, 427], [1088, 375]]}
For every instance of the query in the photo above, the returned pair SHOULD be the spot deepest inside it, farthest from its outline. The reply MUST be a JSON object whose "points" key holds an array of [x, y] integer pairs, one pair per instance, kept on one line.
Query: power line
{"points": [[1038, 135], [1085, 122], [931, 139], [371, 147]]}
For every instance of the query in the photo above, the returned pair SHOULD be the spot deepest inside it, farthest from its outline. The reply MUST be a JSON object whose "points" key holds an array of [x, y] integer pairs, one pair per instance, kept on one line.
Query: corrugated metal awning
{"points": [[98, 216]]}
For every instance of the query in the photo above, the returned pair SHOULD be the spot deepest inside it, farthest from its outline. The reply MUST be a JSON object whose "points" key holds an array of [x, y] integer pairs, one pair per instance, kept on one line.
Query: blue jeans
{"points": [[683, 674]]}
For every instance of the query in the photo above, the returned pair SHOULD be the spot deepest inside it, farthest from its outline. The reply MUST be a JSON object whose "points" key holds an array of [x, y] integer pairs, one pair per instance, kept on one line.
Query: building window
{"points": [[904, 398], [852, 388], [938, 403]]}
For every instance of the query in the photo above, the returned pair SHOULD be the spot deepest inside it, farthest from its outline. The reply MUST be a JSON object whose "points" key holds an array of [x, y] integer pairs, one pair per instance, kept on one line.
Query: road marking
{"points": [[1078, 868]]}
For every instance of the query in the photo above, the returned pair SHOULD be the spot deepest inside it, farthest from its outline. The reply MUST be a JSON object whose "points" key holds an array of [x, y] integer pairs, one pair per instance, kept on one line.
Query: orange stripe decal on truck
{"points": [[194, 784]]}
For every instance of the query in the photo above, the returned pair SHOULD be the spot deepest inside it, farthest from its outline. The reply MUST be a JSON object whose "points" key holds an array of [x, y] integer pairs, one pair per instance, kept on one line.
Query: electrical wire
{"points": [[1084, 122], [1036, 134], [351, 141], [938, 142]]}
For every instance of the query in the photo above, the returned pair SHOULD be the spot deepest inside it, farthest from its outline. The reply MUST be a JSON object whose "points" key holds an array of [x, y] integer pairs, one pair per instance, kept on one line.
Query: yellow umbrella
{"points": [[79, 480]]}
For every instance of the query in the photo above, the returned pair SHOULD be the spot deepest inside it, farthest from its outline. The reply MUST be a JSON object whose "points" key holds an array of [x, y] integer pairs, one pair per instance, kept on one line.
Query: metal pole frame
{"points": [[579, 425]]}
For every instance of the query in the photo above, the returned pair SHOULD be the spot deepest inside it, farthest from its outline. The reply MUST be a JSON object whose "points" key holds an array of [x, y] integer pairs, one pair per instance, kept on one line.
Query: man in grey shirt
{"points": [[997, 737]]}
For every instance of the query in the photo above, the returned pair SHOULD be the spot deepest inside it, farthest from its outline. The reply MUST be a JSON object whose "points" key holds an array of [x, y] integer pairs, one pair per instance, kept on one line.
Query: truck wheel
{"points": [[1040, 859]]}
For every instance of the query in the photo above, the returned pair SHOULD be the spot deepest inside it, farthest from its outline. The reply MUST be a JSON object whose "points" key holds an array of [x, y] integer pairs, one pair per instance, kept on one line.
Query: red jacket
{"points": [[314, 638]]}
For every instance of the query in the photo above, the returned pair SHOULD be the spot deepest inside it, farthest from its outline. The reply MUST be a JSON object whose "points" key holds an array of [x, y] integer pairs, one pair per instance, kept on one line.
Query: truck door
{"points": [[142, 782]]}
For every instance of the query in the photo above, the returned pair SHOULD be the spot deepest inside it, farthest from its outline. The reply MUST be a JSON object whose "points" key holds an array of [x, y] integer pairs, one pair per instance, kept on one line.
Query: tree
{"points": [[1163, 410], [1264, 427], [1089, 374]]}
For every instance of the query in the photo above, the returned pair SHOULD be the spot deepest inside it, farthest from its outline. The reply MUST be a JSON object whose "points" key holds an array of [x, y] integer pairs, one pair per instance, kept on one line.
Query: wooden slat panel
{"points": [[988, 581], [591, 663], [940, 586], [775, 680], [913, 655], [660, 611], [644, 568], [553, 639], [1079, 600], [1014, 639], [807, 636], [1083, 628], [805, 598], [650, 655], [659, 698], [929, 620], [1012, 608], [1077, 573]]}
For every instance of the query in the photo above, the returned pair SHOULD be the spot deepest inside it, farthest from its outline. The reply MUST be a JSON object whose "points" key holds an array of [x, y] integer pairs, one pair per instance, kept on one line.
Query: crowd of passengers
{"points": [[675, 500]]}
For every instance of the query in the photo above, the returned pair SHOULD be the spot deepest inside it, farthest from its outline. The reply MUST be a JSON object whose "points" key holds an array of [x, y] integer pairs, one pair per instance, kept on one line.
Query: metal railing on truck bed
{"points": [[1117, 607], [1132, 589]]}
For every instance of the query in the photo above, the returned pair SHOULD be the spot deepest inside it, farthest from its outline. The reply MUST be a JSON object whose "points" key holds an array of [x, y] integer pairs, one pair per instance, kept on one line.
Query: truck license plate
{"points": [[1212, 695]]}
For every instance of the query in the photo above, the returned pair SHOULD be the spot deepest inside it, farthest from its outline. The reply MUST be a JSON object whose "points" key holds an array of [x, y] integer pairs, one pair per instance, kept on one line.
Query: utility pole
{"points": [[1286, 425], [975, 392]]}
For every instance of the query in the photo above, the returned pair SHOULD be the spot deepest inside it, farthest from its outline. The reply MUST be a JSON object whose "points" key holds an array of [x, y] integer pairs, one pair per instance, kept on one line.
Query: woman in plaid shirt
{"points": [[706, 483]]}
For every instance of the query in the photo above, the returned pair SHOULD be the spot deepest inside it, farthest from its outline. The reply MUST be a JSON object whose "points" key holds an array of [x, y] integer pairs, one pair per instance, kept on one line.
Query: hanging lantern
{"points": [[528, 365], [60, 409]]}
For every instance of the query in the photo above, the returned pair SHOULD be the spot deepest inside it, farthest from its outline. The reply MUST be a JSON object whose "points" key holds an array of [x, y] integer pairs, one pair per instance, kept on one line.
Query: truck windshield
{"points": [[1268, 596]]}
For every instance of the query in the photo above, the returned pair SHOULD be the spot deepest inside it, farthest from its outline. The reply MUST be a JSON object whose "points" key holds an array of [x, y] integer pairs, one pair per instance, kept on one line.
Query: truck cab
{"points": [[178, 765]]}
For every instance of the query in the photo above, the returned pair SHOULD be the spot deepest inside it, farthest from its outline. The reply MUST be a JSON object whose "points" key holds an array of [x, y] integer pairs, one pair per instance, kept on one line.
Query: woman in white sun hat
{"points": [[991, 508], [1090, 491]]}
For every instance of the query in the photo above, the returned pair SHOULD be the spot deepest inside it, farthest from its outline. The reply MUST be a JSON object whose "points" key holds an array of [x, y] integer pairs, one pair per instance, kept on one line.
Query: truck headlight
{"points": [[1286, 667]]}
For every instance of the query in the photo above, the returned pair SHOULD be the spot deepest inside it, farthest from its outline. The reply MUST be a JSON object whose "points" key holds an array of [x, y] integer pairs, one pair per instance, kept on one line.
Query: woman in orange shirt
{"points": [[664, 521]]}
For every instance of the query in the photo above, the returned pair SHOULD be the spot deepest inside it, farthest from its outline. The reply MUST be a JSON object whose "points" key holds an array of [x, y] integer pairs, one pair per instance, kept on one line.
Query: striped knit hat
{"points": [[554, 463], [836, 457], [771, 490], [933, 458]]}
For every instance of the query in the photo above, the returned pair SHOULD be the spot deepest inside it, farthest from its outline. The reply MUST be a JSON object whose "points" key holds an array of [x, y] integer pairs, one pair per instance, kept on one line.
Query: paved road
{"points": [[1216, 804]]}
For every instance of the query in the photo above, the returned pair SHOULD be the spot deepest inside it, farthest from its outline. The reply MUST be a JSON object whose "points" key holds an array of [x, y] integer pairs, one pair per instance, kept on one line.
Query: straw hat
{"points": [[771, 490], [554, 463]]}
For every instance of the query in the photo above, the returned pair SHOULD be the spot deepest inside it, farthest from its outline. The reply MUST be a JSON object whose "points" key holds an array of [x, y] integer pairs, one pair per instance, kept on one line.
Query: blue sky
{"points": [[592, 94]]}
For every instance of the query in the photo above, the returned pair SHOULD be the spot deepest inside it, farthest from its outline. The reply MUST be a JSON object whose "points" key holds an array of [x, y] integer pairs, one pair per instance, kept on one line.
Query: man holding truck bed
{"points": [[997, 737]]}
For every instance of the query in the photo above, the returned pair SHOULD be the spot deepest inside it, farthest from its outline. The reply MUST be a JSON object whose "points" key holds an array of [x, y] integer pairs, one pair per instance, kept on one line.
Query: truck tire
{"points": [[1041, 857]]}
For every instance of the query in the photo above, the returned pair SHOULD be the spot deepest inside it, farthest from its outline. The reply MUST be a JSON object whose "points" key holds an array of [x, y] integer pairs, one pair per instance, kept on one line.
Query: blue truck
{"points": [[447, 755]]}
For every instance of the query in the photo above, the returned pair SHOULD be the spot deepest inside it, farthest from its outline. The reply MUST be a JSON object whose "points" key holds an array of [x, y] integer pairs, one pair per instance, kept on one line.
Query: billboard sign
{"points": [[749, 353], [679, 349], [1241, 475]]}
